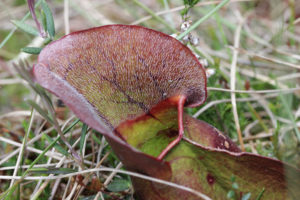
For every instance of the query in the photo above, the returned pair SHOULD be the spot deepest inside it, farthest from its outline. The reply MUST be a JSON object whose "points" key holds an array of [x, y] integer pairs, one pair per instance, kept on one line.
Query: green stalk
{"points": [[201, 20], [7, 194], [161, 20], [14, 29]]}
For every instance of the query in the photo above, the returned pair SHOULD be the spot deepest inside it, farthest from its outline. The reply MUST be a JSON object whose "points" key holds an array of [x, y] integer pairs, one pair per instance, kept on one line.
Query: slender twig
{"points": [[201, 20], [23, 146], [111, 176], [53, 155], [66, 17], [86, 178], [247, 133], [212, 103], [275, 60], [61, 162], [36, 138], [15, 152], [253, 91], [232, 82], [171, 184], [9, 191], [137, 2], [99, 195], [12, 81], [205, 3], [101, 147], [58, 129], [168, 17]]}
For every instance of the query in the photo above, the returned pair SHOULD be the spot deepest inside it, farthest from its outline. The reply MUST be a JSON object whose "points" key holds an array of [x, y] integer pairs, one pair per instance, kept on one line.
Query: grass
{"points": [[256, 82]]}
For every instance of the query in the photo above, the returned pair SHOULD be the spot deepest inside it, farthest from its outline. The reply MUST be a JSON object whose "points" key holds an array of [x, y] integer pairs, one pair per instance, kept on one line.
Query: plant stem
{"points": [[201, 20], [7, 194], [14, 29], [155, 16]]}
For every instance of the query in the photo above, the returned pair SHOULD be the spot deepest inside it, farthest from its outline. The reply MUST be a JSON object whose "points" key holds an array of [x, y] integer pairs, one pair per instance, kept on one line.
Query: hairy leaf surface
{"points": [[121, 80], [119, 72]]}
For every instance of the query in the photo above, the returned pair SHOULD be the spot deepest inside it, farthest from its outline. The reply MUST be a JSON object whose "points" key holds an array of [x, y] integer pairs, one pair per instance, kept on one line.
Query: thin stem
{"points": [[103, 169], [56, 125], [20, 156], [14, 29], [66, 16], [233, 80], [201, 20], [9, 192], [290, 115], [254, 91], [154, 15]]}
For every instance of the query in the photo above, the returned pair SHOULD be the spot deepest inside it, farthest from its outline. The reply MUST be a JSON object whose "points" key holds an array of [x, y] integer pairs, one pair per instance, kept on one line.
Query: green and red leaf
{"points": [[120, 71], [130, 83], [205, 160]]}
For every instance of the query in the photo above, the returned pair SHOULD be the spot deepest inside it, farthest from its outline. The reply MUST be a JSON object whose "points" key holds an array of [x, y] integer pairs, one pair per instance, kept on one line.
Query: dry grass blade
{"points": [[181, 187], [233, 80]]}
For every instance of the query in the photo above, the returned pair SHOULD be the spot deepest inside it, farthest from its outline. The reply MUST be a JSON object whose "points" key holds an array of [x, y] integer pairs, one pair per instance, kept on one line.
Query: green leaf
{"points": [[47, 41], [10, 34], [54, 170], [205, 160], [235, 186], [96, 138], [190, 3], [82, 137], [118, 185], [25, 27], [40, 111], [7, 194], [230, 194], [32, 50], [260, 194], [232, 178], [49, 19], [44, 20], [41, 91], [246, 196], [71, 126], [56, 146], [135, 98]]}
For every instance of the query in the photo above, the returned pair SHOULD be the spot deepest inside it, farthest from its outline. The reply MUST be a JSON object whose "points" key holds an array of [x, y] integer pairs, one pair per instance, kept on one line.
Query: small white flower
{"points": [[210, 72], [203, 62]]}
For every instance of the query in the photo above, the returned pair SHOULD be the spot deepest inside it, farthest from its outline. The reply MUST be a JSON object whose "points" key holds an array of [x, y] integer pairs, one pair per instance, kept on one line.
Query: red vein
{"points": [[180, 106]]}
